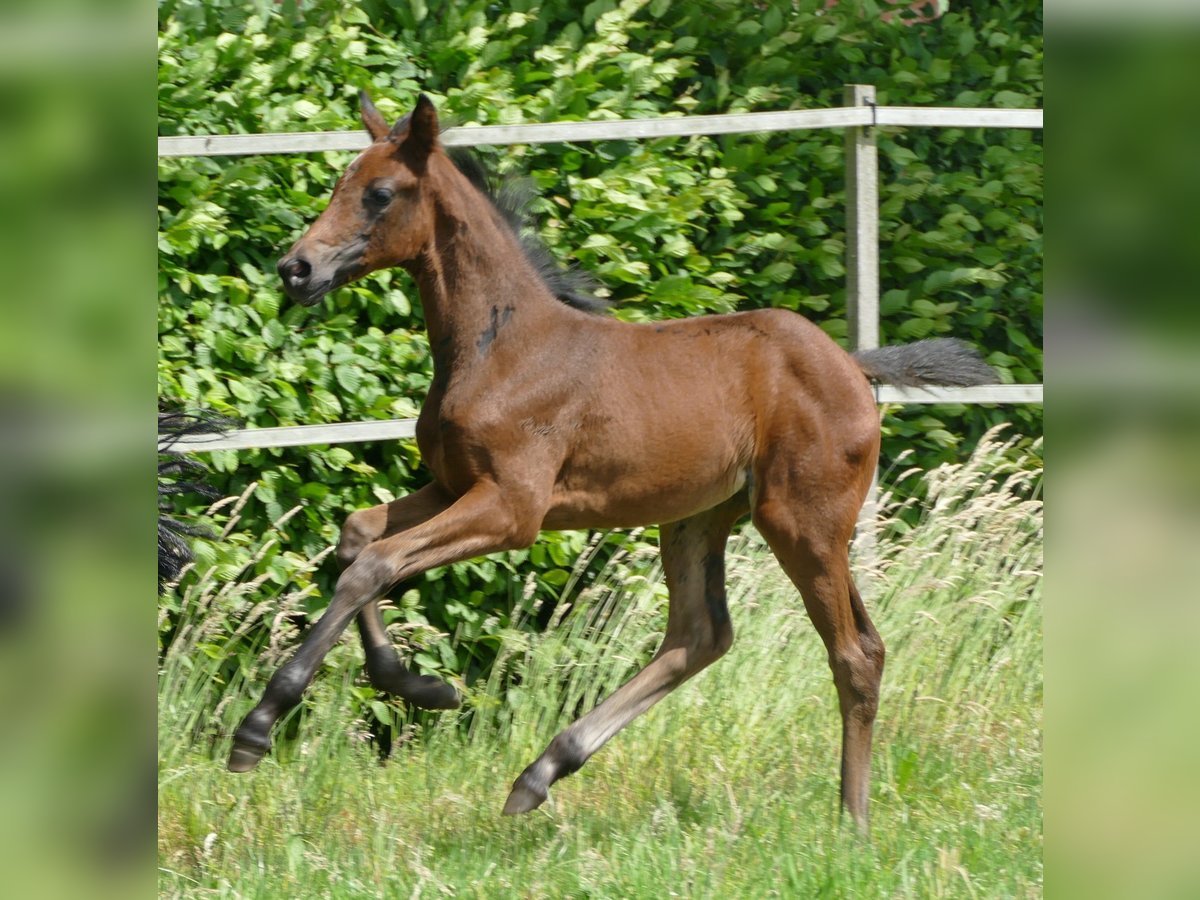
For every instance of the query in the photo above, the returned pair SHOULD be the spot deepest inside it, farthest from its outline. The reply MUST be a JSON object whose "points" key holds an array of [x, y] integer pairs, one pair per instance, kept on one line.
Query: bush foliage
{"points": [[672, 227]]}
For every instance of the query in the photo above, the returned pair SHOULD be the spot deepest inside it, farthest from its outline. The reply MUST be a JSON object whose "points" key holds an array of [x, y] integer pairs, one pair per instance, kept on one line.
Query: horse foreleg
{"points": [[698, 634], [480, 522], [384, 668], [388, 674]]}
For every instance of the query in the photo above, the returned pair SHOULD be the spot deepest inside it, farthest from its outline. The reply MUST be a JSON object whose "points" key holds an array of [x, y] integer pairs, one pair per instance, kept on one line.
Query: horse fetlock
{"points": [[386, 672], [722, 641], [565, 755], [286, 687]]}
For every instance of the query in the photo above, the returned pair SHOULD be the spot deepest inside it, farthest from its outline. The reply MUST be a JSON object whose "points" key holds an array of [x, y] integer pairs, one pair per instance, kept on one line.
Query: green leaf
{"points": [[242, 391], [892, 302], [274, 334], [825, 33], [556, 577], [382, 711], [338, 457], [399, 302], [266, 303], [349, 377], [1011, 99]]}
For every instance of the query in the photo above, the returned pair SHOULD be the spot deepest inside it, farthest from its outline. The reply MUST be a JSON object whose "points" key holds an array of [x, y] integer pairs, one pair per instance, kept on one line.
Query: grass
{"points": [[728, 788]]}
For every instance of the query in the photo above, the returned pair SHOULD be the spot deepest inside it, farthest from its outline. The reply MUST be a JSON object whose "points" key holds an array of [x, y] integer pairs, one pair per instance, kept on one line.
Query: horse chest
{"points": [[453, 442]]}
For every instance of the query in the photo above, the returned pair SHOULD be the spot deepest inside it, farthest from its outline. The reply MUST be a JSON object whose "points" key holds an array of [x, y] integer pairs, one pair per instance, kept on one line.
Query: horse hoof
{"points": [[244, 757], [427, 692], [523, 799]]}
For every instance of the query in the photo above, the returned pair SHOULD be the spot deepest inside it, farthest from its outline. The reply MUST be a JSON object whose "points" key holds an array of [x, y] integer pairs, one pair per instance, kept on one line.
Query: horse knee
{"points": [[365, 576], [357, 533]]}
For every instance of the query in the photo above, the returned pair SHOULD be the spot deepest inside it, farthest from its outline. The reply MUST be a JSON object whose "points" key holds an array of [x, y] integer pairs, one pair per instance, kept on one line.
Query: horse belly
{"points": [[648, 481]]}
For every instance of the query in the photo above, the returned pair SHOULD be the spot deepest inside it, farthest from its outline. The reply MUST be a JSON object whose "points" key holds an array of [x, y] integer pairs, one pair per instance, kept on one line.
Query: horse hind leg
{"points": [[385, 670], [815, 557], [698, 634]]}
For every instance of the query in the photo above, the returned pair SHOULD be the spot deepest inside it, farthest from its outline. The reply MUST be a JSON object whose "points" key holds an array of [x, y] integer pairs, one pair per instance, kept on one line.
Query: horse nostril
{"points": [[294, 270]]}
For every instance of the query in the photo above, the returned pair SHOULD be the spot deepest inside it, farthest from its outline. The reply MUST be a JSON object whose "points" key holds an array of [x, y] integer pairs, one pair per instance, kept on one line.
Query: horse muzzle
{"points": [[307, 283]]}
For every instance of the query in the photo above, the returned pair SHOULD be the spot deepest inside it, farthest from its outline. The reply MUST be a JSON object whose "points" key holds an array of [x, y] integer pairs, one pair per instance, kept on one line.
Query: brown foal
{"points": [[542, 415]]}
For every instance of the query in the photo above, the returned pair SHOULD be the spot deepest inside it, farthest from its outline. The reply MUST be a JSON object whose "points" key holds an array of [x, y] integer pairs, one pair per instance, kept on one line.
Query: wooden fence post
{"points": [[862, 266]]}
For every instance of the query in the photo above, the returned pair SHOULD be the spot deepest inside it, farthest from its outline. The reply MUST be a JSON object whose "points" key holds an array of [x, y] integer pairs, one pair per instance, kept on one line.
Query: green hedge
{"points": [[672, 227]]}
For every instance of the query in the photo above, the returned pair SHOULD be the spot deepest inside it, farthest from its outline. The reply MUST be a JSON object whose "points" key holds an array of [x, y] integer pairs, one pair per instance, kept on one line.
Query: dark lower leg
{"points": [[252, 739], [389, 674], [856, 770], [384, 668], [574, 746]]}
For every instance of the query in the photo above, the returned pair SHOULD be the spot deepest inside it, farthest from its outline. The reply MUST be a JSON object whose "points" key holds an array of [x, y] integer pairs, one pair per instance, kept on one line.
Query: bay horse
{"points": [[542, 415]]}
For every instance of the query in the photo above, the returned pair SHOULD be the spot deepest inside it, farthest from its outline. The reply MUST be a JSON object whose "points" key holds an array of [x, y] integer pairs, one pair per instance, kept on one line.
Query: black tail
{"points": [[946, 362], [174, 551]]}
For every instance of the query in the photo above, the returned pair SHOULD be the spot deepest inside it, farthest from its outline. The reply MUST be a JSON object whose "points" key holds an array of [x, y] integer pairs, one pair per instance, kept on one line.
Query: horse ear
{"points": [[419, 129], [371, 117]]}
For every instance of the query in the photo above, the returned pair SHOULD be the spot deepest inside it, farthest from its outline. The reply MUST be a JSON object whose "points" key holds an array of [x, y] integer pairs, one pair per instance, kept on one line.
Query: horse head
{"points": [[381, 213]]}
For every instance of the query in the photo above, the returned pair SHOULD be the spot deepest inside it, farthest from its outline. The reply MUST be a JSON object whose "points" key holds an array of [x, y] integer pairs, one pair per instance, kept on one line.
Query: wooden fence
{"points": [[861, 118]]}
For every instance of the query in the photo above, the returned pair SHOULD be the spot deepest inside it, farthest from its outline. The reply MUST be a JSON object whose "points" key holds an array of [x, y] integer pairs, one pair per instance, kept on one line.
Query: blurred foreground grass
{"points": [[728, 788]]}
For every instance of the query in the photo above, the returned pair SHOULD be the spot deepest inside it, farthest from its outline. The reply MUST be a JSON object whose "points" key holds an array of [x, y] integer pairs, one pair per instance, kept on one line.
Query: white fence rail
{"points": [[855, 116], [861, 118]]}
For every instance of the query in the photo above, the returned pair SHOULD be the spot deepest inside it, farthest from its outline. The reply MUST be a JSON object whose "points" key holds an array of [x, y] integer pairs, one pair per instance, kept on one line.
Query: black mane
{"points": [[511, 199]]}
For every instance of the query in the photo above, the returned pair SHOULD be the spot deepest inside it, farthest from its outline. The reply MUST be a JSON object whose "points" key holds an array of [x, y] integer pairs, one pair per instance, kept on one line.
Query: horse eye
{"points": [[380, 196]]}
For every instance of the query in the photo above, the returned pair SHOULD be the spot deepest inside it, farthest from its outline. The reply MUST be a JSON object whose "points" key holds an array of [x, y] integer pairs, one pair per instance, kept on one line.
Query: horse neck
{"points": [[474, 278]]}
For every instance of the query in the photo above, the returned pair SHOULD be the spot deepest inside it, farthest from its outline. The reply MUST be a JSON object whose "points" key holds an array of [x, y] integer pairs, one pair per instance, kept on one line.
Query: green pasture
{"points": [[728, 788]]}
